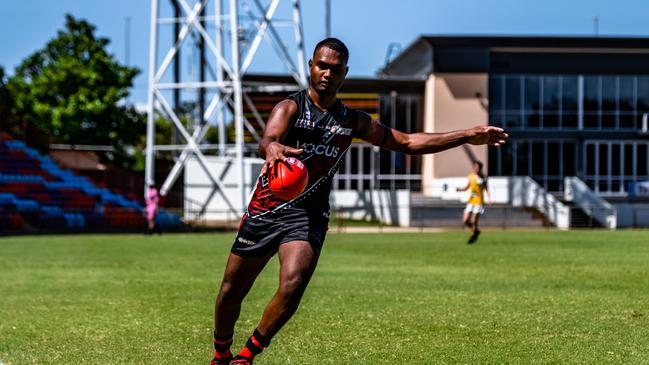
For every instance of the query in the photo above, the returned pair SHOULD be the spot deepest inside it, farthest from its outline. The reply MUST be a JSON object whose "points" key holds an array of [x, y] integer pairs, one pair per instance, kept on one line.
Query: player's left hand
{"points": [[493, 136]]}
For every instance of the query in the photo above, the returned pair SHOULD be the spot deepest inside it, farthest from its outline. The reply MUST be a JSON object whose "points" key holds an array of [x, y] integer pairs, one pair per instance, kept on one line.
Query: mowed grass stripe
{"points": [[542, 297]]}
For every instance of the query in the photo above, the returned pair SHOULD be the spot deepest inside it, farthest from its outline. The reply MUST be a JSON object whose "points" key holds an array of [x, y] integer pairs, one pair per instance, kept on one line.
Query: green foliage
{"points": [[3, 90], [540, 297], [72, 89]]}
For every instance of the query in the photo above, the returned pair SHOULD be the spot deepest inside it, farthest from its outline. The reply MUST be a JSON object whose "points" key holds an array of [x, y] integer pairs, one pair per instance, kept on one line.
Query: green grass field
{"points": [[541, 297]]}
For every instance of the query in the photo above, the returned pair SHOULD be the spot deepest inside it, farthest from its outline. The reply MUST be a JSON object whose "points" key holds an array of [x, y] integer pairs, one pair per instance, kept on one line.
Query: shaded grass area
{"points": [[544, 297]]}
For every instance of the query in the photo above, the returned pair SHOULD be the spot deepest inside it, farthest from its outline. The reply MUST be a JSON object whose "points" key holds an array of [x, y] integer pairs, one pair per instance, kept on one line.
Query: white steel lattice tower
{"points": [[229, 35]]}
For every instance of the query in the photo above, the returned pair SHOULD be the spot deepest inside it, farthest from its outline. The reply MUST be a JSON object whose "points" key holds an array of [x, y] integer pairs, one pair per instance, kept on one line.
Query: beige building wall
{"points": [[454, 101]]}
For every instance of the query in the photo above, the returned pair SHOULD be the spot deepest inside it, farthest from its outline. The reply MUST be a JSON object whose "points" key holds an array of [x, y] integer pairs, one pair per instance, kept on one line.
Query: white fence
{"points": [[205, 203], [385, 206]]}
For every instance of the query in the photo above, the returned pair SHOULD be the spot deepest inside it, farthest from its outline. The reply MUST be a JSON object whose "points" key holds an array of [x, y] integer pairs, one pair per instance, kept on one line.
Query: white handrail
{"points": [[525, 192], [578, 192]]}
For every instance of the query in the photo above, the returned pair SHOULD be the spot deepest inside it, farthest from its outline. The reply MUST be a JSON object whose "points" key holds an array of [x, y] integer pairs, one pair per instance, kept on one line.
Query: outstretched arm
{"points": [[423, 143], [464, 188], [279, 122]]}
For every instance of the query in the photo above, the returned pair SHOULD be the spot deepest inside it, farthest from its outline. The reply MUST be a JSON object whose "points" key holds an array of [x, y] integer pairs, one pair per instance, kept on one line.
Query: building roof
{"points": [[591, 54], [353, 84], [539, 41]]}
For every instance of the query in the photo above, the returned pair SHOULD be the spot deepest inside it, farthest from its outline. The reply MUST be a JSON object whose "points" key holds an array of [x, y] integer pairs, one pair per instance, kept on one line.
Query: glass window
{"points": [[569, 159], [590, 159], [532, 93], [609, 93], [591, 93], [504, 153], [608, 120], [570, 120], [522, 158], [497, 119], [550, 93], [551, 120], [552, 101], [591, 120], [570, 93], [627, 86], [628, 159], [538, 158], [616, 163], [554, 185], [493, 155], [639, 119], [627, 121], [495, 93], [643, 95], [507, 159], [513, 93], [513, 120], [602, 155], [603, 159], [532, 120], [642, 159], [554, 157]]}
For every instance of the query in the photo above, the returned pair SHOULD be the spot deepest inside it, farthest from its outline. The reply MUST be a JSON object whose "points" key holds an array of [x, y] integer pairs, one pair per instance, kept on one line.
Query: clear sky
{"points": [[366, 26]]}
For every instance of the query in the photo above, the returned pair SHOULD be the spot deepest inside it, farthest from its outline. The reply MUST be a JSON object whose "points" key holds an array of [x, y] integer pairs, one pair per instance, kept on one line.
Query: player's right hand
{"points": [[493, 136], [276, 151]]}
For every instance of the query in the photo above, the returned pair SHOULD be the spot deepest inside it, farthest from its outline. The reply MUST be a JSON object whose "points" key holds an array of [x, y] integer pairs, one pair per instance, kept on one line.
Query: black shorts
{"points": [[258, 236]]}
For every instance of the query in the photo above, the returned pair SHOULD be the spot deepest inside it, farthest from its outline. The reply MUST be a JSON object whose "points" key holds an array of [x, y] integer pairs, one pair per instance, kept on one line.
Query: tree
{"points": [[73, 89]]}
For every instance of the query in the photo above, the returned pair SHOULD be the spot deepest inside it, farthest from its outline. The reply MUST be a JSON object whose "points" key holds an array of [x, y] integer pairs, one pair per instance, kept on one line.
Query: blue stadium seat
{"points": [[48, 196]]}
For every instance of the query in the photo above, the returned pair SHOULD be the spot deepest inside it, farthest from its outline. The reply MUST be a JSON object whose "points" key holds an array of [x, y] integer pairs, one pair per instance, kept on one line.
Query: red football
{"points": [[287, 179]]}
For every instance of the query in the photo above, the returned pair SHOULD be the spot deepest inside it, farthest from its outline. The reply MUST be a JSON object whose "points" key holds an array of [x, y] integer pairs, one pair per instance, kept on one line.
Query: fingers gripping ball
{"points": [[287, 179]]}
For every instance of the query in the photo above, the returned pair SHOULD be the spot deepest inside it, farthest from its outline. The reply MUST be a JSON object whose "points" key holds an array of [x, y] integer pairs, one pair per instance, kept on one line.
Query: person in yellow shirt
{"points": [[477, 187]]}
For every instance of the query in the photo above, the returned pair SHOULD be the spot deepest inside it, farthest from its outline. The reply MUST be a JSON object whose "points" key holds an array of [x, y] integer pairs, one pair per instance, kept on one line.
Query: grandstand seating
{"points": [[37, 194]]}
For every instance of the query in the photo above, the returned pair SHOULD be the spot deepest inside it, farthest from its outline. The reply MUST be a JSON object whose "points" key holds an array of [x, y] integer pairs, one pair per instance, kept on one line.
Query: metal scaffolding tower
{"points": [[218, 91]]}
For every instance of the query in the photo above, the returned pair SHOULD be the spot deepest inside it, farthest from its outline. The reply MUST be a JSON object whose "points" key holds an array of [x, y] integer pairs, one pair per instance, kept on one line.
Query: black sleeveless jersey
{"points": [[325, 137]]}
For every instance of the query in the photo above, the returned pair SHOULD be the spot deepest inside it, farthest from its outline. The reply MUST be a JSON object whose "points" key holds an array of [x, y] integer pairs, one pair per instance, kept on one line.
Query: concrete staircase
{"points": [[578, 218], [438, 213]]}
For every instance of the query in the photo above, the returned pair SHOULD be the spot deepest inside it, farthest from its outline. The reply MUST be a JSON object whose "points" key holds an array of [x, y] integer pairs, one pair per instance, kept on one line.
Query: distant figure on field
{"points": [[152, 200], [477, 187]]}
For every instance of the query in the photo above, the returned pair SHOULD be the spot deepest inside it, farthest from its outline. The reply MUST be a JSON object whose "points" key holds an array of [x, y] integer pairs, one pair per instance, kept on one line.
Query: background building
{"points": [[574, 106]]}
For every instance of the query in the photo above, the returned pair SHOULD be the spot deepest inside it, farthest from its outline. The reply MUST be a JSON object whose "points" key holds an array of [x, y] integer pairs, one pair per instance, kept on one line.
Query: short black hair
{"points": [[335, 44]]}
